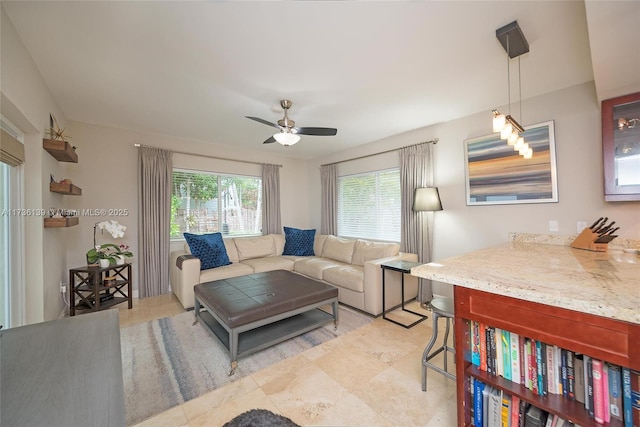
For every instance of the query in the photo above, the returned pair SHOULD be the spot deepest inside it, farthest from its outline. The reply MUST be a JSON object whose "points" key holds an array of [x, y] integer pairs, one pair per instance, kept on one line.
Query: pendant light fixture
{"points": [[514, 43]]}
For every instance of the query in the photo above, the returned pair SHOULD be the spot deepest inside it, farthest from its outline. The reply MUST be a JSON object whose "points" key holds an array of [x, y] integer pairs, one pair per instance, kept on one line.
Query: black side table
{"points": [[89, 289], [403, 267]]}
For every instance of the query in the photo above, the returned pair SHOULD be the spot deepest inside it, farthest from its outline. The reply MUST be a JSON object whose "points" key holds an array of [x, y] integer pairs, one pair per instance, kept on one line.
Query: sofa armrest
{"points": [[185, 274], [373, 284]]}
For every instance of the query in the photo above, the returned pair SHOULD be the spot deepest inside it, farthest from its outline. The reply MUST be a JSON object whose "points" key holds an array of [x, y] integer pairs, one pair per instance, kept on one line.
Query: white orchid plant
{"points": [[108, 250]]}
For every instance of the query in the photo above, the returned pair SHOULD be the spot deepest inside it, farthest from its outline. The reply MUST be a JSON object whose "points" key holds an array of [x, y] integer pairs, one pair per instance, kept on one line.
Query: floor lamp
{"points": [[426, 199]]}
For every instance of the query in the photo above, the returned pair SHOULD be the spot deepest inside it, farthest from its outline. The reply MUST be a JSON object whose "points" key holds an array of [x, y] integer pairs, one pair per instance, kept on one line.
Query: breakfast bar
{"points": [[540, 288]]}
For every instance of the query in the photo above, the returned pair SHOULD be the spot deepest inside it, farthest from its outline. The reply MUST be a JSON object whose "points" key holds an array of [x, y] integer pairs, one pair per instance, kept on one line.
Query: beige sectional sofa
{"points": [[352, 265]]}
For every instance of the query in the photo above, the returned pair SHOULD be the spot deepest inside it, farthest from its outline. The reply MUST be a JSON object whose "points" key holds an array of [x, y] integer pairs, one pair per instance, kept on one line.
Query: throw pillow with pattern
{"points": [[298, 242], [209, 249]]}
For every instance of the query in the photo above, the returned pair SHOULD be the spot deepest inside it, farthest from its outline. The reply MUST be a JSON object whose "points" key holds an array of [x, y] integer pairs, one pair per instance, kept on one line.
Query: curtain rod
{"points": [[204, 155], [433, 141]]}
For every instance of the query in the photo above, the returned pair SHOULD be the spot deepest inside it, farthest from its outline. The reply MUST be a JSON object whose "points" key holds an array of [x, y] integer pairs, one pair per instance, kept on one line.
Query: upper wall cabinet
{"points": [[621, 147]]}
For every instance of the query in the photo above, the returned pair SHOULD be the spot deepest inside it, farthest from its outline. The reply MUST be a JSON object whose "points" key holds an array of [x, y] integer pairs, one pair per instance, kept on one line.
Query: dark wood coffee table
{"points": [[253, 312]]}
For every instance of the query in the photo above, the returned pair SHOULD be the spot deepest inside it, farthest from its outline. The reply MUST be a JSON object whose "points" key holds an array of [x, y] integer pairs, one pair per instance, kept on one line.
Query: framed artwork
{"points": [[496, 174]]}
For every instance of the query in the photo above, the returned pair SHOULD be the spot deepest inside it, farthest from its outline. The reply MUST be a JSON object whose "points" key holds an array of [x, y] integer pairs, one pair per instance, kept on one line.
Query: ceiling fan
{"points": [[289, 134]]}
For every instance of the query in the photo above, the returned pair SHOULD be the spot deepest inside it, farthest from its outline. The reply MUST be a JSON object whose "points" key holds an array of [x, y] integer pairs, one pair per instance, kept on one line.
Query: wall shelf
{"points": [[68, 189], [60, 150], [61, 222]]}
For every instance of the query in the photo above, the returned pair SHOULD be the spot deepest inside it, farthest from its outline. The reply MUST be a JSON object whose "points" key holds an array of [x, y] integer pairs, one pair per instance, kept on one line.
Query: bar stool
{"points": [[440, 307]]}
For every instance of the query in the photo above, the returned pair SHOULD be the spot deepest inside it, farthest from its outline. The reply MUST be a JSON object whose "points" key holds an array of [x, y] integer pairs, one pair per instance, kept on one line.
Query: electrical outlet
{"points": [[580, 225], [63, 287], [553, 225]]}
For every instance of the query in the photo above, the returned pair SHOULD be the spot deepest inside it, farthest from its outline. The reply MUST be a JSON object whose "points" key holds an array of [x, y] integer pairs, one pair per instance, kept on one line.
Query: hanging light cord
{"points": [[508, 74]]}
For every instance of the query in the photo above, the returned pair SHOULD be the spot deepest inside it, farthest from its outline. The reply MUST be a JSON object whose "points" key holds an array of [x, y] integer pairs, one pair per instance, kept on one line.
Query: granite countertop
{"points": [[549, 272]]}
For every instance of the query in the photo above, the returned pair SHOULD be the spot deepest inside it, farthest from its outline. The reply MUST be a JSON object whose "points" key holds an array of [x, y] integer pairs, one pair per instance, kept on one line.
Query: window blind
{"points": [[369, 205]]}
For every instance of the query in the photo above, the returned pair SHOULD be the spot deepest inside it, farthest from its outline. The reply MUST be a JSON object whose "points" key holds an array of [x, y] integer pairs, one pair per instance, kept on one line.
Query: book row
{"points": [[495, 408], [606, 390]]}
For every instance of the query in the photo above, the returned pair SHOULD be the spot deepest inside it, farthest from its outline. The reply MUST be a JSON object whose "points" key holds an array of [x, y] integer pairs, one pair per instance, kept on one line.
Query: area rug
{"points": [[169, 361]]}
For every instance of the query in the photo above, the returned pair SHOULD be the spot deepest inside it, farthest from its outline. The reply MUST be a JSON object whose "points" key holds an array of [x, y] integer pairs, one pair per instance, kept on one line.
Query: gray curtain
{"points": [[154, 219], [329, 200], [271, 217], [416, 170]]}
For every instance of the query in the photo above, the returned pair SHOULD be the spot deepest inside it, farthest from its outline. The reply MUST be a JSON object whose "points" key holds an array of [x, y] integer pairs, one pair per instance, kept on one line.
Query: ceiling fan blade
{"points": [[316, 131], [264, 122], [270, 140]]}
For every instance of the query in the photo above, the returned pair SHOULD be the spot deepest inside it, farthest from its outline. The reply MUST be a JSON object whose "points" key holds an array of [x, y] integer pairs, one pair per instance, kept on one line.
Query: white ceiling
{"points": [[370, 69]]}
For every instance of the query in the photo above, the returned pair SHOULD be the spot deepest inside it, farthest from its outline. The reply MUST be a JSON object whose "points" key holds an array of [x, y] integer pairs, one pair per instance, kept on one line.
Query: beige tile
{"points": [[255, 399], [173, 417], [344, 364], [216, 398], [371, 376], [400, 399]]}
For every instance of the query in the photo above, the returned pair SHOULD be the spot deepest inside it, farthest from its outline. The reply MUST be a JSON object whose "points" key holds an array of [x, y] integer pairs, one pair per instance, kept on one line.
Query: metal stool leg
{"points": [[425, 354]]}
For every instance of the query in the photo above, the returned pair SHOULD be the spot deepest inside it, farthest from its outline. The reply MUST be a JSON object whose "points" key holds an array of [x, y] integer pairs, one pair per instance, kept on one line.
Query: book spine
{"points": [[627, 411], [499, 356], [483, 347], [514, 340], [598, 398], [524, 362], [515, 412], [506, 353], [578, 368], [635, 397], [541, 361], [571, 382], [615, 391], [563, 372], [477, 402], [533, 367], [506, 410], [475, 342], [491, 349], [605, 393], [551, 386], [588, 361], [557, 357]]}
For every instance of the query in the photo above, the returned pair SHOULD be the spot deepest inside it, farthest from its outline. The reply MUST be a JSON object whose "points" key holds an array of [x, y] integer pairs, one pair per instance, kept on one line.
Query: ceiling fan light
{"points": [[528, 154], [286, 139]]}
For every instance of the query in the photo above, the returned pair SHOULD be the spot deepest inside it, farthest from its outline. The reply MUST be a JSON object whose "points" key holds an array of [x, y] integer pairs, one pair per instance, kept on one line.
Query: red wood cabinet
{"points": [[602, 338]]}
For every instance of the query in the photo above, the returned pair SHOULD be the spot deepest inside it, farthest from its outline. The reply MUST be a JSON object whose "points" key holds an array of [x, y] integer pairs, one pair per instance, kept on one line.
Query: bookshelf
{"points": [[602, 338], [582, 301]]}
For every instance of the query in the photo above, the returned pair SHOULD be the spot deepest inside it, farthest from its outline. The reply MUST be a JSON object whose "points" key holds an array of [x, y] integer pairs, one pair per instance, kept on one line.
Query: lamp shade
{"points": [[426, 199], [286, 138]]}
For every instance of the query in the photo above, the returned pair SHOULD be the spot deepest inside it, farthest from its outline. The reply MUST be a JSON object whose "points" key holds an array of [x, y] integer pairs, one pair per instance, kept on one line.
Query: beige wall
{"points": [[27, 102], [107, 173], [460, 228]]}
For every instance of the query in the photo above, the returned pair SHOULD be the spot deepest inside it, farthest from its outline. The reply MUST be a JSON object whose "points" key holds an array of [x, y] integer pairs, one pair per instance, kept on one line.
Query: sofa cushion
{"points": [[318, 244], [269, 263], [279, 241], [364, 251], [313, 267], [209, 248], [298, 242], [255, 247], [232, 252], [225, 272], [338, 249], [346, 276]]}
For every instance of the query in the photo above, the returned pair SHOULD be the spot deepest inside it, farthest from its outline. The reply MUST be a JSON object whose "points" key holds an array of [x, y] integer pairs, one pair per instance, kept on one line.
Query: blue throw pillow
{"points": [[298, 242], [209, 248]]}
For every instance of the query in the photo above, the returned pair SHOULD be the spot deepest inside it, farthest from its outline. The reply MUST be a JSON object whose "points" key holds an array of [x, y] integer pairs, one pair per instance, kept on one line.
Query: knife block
{"points": [[586, 240]]}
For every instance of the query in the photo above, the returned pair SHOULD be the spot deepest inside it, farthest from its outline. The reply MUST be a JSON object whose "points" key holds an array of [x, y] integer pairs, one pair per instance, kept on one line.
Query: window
{"points": [[203, 202], [369, 205], [11, 229]]}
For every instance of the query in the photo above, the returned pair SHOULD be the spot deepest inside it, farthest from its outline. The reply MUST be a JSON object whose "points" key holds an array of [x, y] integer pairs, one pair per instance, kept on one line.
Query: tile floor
{"points": [[370, 377]]}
